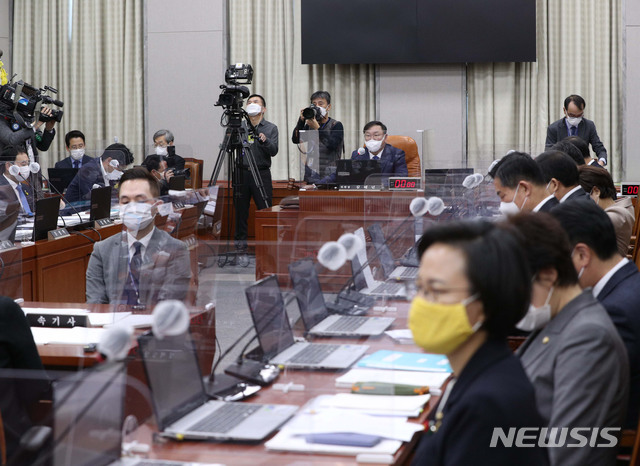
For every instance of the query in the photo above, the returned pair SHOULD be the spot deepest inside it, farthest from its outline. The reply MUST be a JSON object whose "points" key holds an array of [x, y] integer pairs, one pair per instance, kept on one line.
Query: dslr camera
{"points": [[312, 112], [21, 102]]}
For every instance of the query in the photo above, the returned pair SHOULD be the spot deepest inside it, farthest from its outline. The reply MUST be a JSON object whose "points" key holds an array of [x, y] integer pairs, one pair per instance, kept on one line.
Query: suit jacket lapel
{"points": [[621, 275]]}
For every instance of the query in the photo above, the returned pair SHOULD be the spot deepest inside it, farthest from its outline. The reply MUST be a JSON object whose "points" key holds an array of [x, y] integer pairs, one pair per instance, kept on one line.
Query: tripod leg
{"points": [[253, 167]]}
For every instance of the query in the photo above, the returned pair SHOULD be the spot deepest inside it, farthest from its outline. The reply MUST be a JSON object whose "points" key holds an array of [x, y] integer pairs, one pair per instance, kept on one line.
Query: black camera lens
{"points": [[309, 113]]}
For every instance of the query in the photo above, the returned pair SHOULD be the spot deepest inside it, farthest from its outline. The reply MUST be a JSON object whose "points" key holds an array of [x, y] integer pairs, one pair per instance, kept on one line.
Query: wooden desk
{"points": [[51, 270], [315, 383], [72, 357], [286, 235], [280, 191]]}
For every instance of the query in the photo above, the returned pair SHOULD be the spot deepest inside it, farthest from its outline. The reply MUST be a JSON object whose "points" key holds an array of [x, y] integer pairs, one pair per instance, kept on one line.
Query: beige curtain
{"points": [[578, 52], [97, 66], [266, 34]]}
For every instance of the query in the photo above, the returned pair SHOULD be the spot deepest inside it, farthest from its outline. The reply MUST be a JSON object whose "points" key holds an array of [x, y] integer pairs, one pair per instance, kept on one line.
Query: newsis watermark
{"points": [[550, 437]]}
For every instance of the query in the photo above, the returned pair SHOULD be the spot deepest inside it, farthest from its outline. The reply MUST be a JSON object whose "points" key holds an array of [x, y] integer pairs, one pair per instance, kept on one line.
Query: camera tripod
{"points": [[236, 147]]}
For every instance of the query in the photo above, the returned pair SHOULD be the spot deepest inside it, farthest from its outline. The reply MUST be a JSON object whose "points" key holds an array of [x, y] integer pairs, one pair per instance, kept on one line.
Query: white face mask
{"points": [[574, 121], [536, 317], [373, 145], [254, 109], [114, 175], [24, 172], [162, 151], [77, 154], [136, 216], [511, 208]]}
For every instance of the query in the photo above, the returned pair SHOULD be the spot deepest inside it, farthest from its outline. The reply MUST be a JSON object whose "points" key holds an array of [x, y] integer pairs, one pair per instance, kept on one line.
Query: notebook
{"points": [[181, 405], [354, 174], [276, 336], [89, 414], [100, 203], [398, 360], [60, 178], [386, 257], [313, 309]]}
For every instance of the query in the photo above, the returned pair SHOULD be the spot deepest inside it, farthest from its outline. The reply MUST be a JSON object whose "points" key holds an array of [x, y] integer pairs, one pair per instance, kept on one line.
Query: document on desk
{"points": [[100, 319], [433, 380], [135, 321], [315, 420], [378, 405], [398, 360], [66, 336]]}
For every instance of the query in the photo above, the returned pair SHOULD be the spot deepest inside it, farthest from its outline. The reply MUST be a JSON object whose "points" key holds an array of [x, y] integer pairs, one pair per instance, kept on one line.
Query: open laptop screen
{"points": [[89, 407], [100, 203], [174, 376], [356, 172], [384, 252], [269, 316], [306, 286]]}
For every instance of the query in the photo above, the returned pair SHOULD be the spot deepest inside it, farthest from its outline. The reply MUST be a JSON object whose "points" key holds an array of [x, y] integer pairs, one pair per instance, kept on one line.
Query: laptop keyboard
{"points": [[408, 272], [388, 289], [346, 324], [313, 354], [225, 418]]}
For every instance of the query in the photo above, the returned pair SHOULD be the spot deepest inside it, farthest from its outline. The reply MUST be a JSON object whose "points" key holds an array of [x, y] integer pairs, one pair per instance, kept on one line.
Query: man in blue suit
{"points": [[615, 281], [574, 124], [392, 161], [74, 141]]}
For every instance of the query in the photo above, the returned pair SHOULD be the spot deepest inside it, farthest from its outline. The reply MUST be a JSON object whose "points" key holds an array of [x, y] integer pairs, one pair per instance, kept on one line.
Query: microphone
{"points": [[15, 171], [351, 243], [170, 318], [361, 151], [473, 180], [332, 255], [115, 343], [418, 207]]}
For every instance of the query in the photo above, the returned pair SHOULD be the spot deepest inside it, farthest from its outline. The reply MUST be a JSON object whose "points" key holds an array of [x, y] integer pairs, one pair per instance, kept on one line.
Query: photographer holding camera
{"points": [[330, 134], [265, 147]]}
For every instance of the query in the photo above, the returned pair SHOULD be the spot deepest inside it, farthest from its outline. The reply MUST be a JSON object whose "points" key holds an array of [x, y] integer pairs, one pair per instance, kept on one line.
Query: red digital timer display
{"points": [[630, 189], [404, 183]]}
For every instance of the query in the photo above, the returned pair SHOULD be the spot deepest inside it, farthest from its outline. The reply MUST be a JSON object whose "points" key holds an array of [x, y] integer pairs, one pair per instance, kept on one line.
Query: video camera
{"points": [[22, 102], [232, 93]]}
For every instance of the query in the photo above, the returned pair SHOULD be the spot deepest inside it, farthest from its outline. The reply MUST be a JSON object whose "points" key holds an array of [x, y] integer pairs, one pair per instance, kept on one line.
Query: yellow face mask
{"points": [[440, 328]]}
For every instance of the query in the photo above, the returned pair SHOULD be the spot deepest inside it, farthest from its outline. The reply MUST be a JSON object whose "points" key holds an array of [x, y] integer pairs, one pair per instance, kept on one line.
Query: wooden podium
{"points": [[286, 235]]}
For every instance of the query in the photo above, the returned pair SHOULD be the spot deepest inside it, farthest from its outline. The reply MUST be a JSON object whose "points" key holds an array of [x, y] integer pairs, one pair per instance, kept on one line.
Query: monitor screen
{"points": [[306, 286]]}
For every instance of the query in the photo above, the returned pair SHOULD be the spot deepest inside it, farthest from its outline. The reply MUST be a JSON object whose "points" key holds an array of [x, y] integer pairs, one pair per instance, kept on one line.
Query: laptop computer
{"points": [[94, 437], [385, 255], [363, 277], [100, 203], [181, 405], [354, 174], [275, 335], [46, 218], [177, 182], [314, 312], [60, 178]]}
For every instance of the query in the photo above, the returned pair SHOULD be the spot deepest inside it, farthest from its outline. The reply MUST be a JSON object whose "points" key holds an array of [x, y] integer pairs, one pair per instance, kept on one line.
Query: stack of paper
{"points": [[433, 380], [402, 406], [401, 335], [320, 418]]}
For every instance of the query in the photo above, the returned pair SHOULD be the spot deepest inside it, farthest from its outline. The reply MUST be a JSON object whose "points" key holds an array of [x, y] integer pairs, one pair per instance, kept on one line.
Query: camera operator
{"points": [[263, 148], [330, 134], [163, 142], [12, 134]]}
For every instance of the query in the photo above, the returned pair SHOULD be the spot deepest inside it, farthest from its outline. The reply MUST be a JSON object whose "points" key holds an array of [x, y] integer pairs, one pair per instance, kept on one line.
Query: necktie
{"points": [[375, 157], [23, 200], [134, 271], [572, 131], [76, 164]]}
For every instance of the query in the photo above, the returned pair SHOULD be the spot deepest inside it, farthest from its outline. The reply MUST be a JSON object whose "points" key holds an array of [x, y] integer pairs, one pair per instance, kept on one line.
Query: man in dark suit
{"points": [[520, 185], [574, 124], [614, 279], [14, 170], [392, 159], [562, 177], [75, 143], [143, 265], [102, 171]]}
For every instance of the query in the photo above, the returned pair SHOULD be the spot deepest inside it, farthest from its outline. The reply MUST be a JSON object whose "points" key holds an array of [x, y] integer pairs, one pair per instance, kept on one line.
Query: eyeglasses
{"points": [[436, 294]]}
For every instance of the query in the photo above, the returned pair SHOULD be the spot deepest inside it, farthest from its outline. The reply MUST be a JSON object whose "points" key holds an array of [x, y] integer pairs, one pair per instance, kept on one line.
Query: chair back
{"points": [[411, 155], [197, 167]]}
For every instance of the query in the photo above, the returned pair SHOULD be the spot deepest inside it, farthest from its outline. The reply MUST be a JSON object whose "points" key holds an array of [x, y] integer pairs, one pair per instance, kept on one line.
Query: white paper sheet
{"points": [[70, 336], [377, 404], [100, 319], [433, 380]]}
